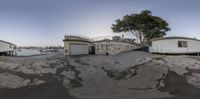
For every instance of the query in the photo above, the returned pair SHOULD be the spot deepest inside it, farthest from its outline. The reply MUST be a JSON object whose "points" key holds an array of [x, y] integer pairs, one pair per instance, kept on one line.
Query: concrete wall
{"points": [[67, 45], [6, 47], [171, 46], [113, 47]]}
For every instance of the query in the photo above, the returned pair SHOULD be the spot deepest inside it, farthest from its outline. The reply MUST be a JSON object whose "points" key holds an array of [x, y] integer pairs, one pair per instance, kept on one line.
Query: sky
{"points": [[45, 22]]}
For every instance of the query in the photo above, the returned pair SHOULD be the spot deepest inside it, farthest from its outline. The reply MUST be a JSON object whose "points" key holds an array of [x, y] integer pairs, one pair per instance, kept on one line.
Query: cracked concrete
{"points": [[106, 76], [126, 75], [8, 80]]}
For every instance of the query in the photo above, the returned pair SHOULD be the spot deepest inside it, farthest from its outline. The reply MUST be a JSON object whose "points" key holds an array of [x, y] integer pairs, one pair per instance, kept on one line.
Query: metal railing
{"points": [[78, 37], [84, 38]]}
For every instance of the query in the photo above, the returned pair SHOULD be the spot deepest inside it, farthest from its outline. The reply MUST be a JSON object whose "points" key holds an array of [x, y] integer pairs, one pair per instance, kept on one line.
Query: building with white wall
{"points": [[175, 45], [113, 47], [7, 48], [76, 45]]}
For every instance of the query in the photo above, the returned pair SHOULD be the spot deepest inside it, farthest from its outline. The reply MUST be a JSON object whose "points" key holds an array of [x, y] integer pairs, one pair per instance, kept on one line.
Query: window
{"points": [[106, 47], [102, 47], [97, 47], [182, 43]]}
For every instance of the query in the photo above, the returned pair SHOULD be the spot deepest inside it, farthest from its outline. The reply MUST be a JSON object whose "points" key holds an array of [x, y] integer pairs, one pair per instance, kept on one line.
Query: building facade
{"points": [[75, 45], [7, 48], [175, 45], [113, 47]]}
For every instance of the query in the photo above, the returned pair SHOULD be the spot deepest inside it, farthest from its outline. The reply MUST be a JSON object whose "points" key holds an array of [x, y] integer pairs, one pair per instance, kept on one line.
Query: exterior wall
{"points": [[67, 46], [112, 47], [171, 46], [194, 46], [6, 47]]}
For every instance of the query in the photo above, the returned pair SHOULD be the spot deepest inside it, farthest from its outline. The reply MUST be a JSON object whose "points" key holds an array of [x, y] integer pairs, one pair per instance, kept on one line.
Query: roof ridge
{"points": [[175, 37]]}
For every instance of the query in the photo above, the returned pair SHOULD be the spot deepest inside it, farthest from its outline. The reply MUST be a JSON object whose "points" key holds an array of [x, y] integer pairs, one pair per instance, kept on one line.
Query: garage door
{"points": [[78, 49]]}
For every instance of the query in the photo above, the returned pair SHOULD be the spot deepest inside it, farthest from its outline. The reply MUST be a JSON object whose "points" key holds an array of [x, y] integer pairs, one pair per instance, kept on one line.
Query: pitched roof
{"points": [[7, 42]]}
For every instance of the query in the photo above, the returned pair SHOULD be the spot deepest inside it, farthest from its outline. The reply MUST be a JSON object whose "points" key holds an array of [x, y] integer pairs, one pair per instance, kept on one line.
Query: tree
{"points": [[143, 26]]}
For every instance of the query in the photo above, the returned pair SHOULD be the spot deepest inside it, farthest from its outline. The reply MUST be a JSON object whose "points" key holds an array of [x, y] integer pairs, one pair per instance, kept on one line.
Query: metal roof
{"points": [[7, 42], [175, 37]]}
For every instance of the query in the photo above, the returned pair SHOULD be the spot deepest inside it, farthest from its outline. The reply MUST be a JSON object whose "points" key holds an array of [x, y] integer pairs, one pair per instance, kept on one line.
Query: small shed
{"points": [[175, 45], [76, 45], [7, 48]]}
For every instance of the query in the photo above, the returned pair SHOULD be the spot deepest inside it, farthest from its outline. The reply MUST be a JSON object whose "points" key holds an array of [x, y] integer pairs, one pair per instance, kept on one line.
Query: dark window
{"points": [[106, 47], [102, 47], [97, 47], [182, 43]]}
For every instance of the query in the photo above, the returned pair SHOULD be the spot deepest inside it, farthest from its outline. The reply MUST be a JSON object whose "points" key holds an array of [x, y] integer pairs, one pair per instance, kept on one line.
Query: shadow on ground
{"points": [[179, 87], [50, 90]]}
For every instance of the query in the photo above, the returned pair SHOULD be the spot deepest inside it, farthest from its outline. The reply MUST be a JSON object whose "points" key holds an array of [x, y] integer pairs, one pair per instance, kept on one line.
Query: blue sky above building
{"points": [[45, 22]]}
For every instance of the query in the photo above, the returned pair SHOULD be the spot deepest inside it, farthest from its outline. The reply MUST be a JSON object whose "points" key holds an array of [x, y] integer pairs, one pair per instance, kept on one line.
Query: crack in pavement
{"points": [[68, 67], [135, 68]]}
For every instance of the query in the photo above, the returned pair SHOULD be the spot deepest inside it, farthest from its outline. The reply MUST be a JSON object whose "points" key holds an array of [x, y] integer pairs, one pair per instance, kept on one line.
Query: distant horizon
{"points": [[46, 22]]}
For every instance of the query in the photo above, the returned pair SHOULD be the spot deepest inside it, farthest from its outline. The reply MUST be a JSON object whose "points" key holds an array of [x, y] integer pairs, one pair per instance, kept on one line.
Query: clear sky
{"points": [[45, 22]]}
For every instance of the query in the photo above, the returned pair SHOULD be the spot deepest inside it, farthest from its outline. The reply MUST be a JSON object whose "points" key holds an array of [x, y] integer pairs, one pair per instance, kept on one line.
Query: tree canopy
{"points": [[144, 26]]}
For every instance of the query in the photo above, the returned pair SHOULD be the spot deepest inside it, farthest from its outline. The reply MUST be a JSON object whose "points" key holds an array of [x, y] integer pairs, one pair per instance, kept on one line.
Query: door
{"points": [[92, 50], [78, 49]]}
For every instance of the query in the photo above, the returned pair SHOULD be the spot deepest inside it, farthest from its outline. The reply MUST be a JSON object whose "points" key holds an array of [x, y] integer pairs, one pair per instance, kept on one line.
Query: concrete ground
{"points": [[50, 90], [130, 75]]}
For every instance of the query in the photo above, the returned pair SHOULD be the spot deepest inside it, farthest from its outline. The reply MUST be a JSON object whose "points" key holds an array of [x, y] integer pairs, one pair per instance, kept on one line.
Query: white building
{"points": [[113, 47], [76, 45], [7, 48], [175, 45]]}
